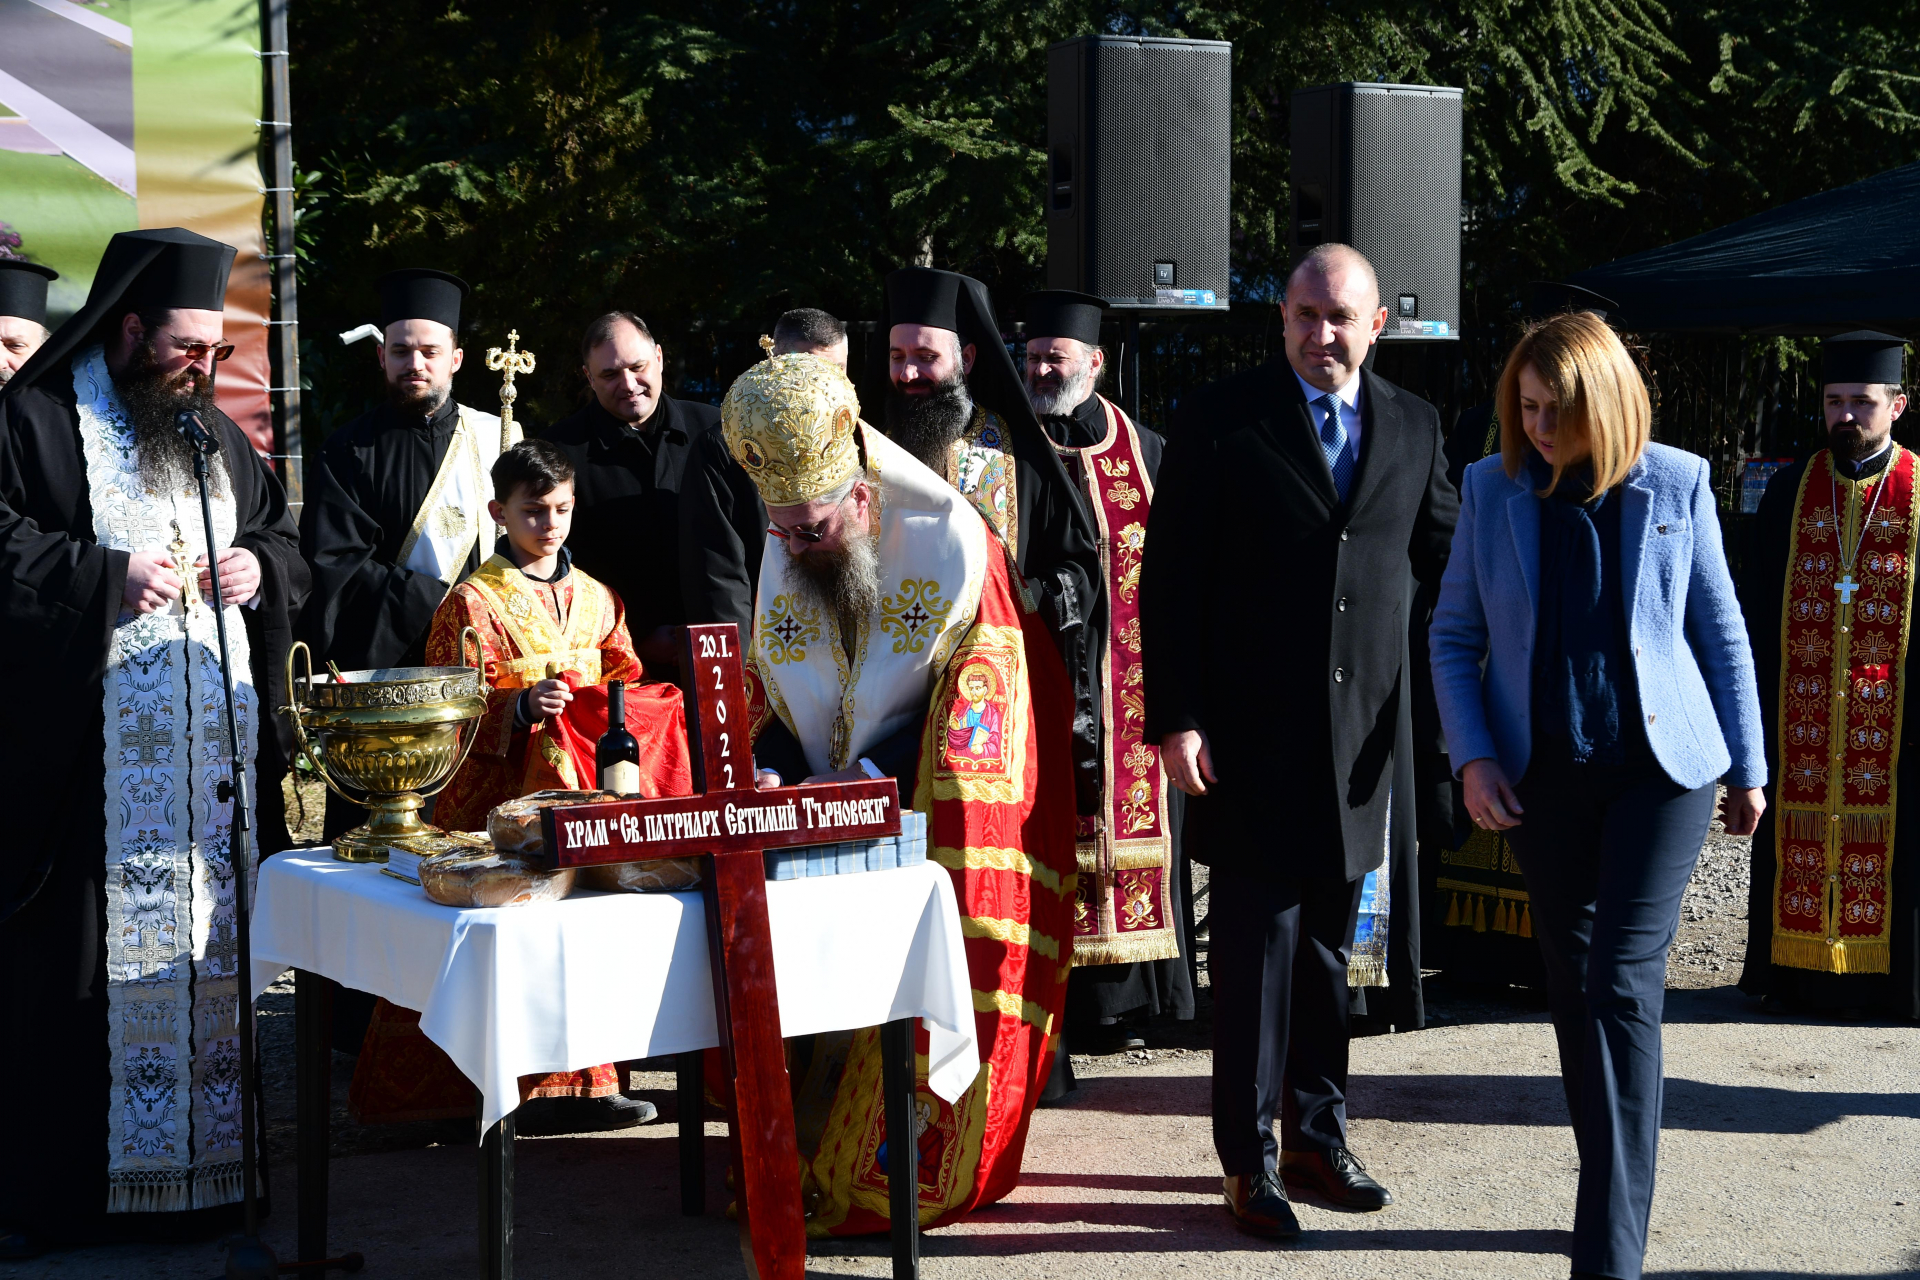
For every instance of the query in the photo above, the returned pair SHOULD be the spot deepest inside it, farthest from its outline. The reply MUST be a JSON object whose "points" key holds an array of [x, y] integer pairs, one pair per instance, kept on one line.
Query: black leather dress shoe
{"points": [[556, 1117], [1259, 1205], [1338, 1175]]}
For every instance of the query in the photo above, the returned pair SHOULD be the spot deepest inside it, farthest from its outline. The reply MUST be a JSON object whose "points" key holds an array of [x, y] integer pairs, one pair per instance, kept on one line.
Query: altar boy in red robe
{"points": [[550, 638]]}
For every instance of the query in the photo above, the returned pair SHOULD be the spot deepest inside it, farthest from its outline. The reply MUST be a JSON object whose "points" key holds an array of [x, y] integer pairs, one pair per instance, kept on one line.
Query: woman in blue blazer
{"points": [[1594, 682]]}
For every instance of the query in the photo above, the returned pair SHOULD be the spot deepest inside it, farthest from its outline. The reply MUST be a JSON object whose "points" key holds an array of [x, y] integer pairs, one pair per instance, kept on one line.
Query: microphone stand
{"points": [[248, 1257]]}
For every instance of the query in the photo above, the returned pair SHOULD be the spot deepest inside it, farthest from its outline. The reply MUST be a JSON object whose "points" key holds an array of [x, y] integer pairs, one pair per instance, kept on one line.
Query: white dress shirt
{"points": [[1349, 407]]}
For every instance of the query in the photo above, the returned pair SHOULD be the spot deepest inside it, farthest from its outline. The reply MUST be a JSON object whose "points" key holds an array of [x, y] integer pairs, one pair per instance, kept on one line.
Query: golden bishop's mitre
{"points": [[789, 421]]}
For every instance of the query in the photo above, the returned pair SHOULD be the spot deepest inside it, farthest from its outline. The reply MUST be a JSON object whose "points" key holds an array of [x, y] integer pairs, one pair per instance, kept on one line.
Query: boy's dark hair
{"points": [[806, 327], [537, 464]]}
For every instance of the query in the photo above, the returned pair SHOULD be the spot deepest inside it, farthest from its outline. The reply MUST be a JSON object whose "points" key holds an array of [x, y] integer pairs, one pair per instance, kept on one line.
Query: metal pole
{"points": [[286, 303], [246, 1257]]}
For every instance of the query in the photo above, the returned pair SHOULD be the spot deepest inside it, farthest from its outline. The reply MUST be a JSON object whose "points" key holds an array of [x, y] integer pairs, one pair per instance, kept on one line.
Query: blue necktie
{"points": [[1333, 443]]}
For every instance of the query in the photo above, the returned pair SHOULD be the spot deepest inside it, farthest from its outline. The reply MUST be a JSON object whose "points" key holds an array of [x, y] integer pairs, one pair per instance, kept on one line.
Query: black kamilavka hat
{"points": [[157, 269], [1861, 356], [23, 289], [1062, 313], [924, 295], [421, 293]]}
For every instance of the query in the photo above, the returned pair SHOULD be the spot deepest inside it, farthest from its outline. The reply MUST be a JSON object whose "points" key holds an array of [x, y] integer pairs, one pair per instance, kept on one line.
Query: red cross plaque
{"points": [[732, 824]]}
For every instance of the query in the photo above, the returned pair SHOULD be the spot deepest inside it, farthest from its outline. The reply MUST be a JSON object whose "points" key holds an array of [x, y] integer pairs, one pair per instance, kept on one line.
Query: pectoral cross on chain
{"points": [[1845, 588]]}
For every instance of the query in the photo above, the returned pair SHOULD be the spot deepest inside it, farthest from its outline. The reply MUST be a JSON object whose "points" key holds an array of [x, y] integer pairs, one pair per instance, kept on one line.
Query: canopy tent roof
{"points": [[1843, 259]]}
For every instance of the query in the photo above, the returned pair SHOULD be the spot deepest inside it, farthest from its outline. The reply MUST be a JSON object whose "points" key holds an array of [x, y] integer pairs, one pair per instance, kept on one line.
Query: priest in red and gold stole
{"points": [[1833, 919], [551, 637], [891, 635]]}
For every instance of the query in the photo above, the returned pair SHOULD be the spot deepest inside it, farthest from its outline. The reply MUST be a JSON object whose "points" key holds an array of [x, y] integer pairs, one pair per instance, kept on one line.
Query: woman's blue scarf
{"points": [[1581, 672]]}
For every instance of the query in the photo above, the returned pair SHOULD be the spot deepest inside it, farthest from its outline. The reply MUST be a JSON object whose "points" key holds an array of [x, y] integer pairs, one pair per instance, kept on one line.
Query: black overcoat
{"points": [[1275, 616]]}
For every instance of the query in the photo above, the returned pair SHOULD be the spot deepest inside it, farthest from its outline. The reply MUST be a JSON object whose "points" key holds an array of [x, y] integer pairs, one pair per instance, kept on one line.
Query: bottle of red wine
{"points": [[617, 758]]}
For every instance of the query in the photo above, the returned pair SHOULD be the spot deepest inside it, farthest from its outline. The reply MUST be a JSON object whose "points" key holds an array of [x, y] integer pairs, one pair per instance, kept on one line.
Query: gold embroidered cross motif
{"points": [[1818, 522], [913, 614], [1123, 495], [787, 629]]}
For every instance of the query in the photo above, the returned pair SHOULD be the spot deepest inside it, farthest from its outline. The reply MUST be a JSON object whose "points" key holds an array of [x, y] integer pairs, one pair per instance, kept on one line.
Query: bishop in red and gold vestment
{"points": [[892, 636], [1834, 911]]}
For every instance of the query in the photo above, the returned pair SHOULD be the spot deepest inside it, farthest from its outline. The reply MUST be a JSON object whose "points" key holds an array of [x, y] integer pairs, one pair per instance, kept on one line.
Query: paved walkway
{"points": [[1792, 1149]]}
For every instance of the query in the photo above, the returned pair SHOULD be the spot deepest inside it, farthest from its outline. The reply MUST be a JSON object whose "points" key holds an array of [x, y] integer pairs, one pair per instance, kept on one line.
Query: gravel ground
{"points": [[1711, 946]]}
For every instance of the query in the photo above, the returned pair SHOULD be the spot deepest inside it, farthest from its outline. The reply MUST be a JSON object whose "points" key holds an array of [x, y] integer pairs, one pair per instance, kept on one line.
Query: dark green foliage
{"points": [[710, 164]]}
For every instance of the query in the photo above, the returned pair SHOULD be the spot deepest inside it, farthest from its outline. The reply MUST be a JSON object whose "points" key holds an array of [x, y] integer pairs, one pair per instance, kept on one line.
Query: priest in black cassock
{"points": [[23, 312], [1132, 932], [956, 402], [116, 892], [1833, 915], [396, 507]]}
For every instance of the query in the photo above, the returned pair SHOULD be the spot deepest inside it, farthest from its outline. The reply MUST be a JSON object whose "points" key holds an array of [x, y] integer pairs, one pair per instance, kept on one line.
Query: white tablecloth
{"points": [[601, 977]]}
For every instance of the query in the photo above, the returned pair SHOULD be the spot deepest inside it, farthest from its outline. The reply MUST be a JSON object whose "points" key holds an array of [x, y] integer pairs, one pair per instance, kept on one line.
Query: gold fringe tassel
{"points": [[1453, 911], [1479, 915], [1370, 971], [1526, 922], [1862, 956], [1500, 916]]}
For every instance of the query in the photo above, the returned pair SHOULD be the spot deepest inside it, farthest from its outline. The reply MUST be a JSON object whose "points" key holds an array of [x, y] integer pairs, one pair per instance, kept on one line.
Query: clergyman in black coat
{"points": [[1286, 543]]}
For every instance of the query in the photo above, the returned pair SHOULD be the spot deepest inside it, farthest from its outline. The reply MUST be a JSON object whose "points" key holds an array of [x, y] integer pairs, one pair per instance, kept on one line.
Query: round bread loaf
{"points": [[514, 827], [487, 878]]}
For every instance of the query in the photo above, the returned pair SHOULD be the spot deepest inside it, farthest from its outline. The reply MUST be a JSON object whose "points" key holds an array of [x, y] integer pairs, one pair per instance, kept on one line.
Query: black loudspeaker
{"points": [[1139, 184], [1377, 166]]}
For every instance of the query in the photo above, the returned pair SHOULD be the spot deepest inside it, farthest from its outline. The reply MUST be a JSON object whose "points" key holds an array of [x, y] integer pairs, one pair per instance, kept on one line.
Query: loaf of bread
{"points": [[660, 875], [488, 878], [514, 827]]}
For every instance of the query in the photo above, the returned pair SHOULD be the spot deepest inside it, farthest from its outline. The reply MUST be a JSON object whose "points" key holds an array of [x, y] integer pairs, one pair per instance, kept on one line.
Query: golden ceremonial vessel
{"points": [[507, 363], [395, 735]]}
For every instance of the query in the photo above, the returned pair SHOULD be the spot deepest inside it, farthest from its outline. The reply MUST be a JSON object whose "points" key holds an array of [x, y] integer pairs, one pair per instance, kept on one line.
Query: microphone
{"points": [[203, 440]]}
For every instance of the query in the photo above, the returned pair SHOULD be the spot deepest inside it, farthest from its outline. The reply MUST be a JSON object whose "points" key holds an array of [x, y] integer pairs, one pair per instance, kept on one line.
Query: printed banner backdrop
{"points": [[138, 113]]}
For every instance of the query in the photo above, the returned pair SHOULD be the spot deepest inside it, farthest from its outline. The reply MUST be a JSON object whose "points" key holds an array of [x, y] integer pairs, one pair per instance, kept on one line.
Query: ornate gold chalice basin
{"points": [[395, 735]]}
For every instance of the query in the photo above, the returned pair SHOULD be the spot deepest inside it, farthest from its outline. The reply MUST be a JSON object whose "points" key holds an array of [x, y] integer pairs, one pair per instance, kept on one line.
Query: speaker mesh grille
{"points": [[1404, 211], [1155, 170]]}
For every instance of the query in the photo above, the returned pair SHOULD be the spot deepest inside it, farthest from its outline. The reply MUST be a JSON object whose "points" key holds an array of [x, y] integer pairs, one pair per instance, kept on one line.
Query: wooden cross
{"points": [[731, 824]]}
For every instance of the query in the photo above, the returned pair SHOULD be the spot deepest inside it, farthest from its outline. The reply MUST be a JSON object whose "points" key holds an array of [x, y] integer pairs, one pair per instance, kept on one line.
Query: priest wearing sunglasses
{"points": [[116, 899]]}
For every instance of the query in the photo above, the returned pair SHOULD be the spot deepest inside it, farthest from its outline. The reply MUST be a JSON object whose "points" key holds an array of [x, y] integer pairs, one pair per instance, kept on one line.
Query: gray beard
{"points": [[845, 581], [927, 426], [1064, 397]]}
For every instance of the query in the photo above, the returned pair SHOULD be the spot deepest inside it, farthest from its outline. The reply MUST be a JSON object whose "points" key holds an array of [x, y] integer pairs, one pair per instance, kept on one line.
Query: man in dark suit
{"points": [[1280, 696]]}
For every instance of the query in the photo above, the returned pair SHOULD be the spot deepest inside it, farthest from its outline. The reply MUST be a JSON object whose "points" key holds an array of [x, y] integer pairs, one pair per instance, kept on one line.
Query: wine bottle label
{"points": [[621, 777]]}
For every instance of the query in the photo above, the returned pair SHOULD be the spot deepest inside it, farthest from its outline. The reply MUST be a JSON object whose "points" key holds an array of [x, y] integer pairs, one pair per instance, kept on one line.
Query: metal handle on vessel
{"points": [[292, 712], [471, 727]]}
